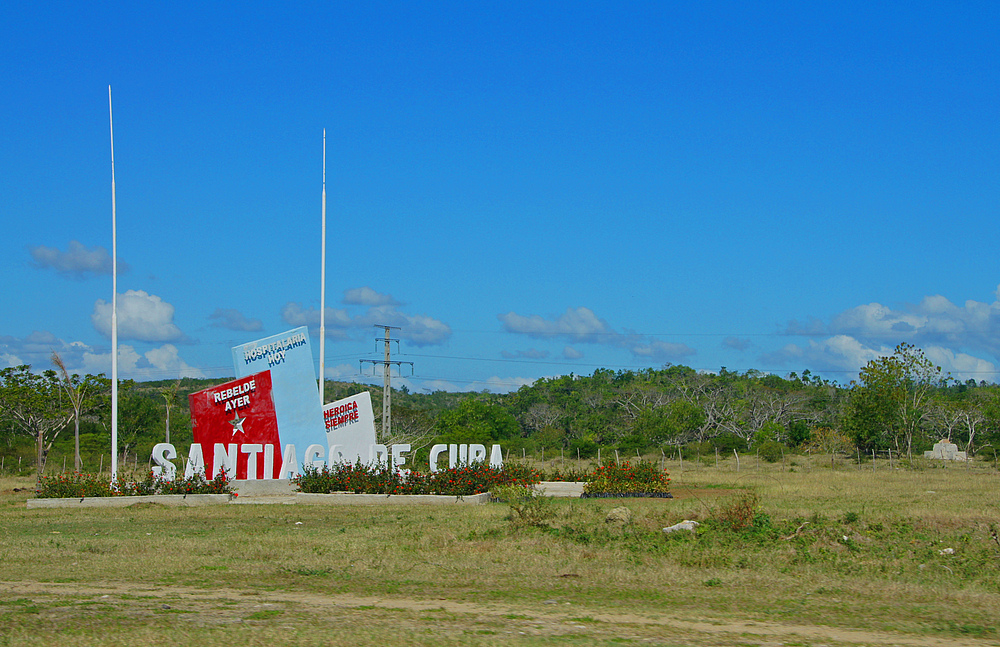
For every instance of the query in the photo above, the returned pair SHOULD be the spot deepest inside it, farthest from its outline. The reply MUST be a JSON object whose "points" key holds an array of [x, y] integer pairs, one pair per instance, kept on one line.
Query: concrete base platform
{"points": [[308, 498], [295, 498], [256, 488], [283, 493], [173, 500], [567, 489]]}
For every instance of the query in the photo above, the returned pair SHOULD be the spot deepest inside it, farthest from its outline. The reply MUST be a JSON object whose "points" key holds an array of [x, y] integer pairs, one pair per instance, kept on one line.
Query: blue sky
{"points": [[526, 189]]}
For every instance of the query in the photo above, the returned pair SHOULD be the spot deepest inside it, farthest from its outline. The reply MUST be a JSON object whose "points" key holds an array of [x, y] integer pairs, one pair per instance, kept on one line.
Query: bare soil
{"points": [[220, 606]]}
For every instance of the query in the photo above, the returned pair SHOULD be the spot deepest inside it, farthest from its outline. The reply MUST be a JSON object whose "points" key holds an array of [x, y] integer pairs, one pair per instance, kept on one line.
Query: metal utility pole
{"points": [[387, 377]]}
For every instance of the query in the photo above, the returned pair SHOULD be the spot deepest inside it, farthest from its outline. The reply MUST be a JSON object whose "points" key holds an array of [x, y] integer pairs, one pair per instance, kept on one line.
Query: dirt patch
{"points": [[550, 618]]}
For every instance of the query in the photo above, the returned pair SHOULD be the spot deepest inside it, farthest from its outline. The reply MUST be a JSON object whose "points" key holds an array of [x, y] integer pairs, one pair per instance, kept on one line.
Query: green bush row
{"points": [[75, 484], [373, 479], [643, 477]]}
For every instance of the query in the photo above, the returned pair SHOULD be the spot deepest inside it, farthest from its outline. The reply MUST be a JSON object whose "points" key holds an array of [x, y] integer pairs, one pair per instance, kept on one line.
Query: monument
{"points": [[947, 451], [269, 423]]}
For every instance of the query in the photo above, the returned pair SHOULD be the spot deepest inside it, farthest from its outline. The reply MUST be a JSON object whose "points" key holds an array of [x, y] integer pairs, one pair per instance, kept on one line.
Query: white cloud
{"points": [[36, 349], [962, 366], [141, 316], [947, 333], [418, 330], [421, 330], [571, 353], [368, 297], [578, 324], [77, 261], [155, 364], [840, 353], [232, 319], [583, 326], [7, 360], [934, 321], [337, 319], [343, 372], [846, 355]]}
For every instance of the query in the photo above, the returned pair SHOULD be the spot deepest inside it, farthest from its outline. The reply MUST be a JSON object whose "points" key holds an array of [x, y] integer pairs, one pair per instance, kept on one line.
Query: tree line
{"points": [[900, 402]]}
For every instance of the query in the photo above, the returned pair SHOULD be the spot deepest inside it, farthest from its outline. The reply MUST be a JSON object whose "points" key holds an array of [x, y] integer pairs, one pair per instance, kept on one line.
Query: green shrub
{"points": [[363, 478], [72, 485], [642, 478], [75, 484], [586, 446], [741, 512], [566, 474], [772, 451], [527, 507]]}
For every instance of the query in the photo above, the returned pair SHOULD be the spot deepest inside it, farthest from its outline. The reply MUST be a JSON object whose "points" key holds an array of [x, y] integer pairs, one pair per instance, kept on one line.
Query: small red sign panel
{"points": [[237, 418]]}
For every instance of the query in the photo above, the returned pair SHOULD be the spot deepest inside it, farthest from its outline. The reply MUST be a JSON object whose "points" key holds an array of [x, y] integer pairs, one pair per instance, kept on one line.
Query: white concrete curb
{"points": [[188, 500], [174, 500]]}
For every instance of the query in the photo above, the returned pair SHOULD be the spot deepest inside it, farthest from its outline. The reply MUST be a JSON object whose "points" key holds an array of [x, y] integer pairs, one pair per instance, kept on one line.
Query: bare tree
{"points": [[945, 418], [541, 415], [409, 426]]}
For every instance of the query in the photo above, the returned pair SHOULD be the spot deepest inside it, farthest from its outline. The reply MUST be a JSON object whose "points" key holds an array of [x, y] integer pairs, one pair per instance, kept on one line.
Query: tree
{"points": [[891, 401], [34, 404], [475, 421], [138, 415], [826, 440], [81, 394], [169, 394], [409, 426]]}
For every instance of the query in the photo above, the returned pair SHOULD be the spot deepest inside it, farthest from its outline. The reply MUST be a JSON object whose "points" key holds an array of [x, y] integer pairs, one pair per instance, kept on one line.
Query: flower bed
{"points": [[644, 479], [369, 479], [76, 485]]}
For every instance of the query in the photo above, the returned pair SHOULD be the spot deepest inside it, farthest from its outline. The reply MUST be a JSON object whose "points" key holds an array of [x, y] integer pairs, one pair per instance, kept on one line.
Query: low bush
{"points": [[627, 479], [571, 474], [373, 479], [772, 451], [527, 507], [83, 485], [739, 512]]}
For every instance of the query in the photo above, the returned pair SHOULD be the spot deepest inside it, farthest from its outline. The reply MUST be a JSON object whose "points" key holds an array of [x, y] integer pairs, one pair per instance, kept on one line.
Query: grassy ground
{"points": [[831, 557]]}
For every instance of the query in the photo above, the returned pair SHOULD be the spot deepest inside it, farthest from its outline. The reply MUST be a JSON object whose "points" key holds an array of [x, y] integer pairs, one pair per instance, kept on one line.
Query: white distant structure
{"points": [[945, 450]]}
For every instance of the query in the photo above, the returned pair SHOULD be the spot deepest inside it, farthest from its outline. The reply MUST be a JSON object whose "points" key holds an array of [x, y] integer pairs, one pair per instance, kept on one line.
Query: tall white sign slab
{"points": [[350, 429], [293, 378]]}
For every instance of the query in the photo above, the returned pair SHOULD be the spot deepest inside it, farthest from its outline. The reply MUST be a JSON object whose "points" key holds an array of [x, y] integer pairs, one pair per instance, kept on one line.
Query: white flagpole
{"points": [[114, 305], [322, 290]]}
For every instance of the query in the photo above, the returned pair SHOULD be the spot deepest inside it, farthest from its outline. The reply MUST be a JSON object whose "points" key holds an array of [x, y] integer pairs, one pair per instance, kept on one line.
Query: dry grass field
{"points": [[830, 557]]}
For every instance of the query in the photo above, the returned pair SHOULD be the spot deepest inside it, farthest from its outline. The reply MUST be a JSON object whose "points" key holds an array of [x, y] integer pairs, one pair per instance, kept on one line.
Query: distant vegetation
{"points": [[900, 403]]}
